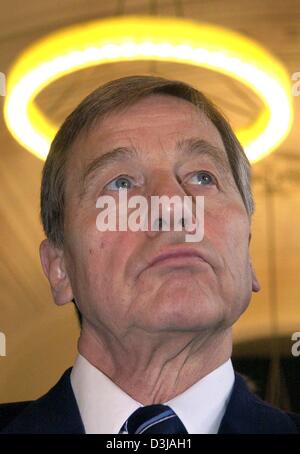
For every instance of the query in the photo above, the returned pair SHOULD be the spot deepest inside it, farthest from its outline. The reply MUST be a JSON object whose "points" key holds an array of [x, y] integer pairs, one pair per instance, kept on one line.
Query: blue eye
{"points": [[119, 183], [204, 178]]}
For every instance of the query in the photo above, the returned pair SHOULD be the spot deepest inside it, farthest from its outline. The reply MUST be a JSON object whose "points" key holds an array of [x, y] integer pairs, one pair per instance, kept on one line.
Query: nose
{"points": [[170, 207]]}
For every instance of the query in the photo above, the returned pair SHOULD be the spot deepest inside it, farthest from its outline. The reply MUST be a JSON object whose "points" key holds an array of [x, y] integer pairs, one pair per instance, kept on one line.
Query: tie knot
{"points": [[154, 419]]}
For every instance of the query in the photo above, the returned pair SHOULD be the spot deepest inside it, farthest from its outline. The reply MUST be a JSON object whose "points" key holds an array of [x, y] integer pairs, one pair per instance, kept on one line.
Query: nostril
{"points": [[159, 224]]}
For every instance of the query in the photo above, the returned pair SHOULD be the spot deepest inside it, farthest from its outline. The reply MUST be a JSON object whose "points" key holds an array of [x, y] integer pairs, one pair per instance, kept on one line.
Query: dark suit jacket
{"points": [[57, 413]]}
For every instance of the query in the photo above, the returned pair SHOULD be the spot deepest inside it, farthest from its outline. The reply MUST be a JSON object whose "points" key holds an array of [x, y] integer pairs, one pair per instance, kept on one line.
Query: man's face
{"points": [[109, 272]]}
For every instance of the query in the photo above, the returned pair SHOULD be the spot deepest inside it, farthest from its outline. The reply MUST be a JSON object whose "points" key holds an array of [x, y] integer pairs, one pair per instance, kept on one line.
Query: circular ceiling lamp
{"points": [[132, 38]]}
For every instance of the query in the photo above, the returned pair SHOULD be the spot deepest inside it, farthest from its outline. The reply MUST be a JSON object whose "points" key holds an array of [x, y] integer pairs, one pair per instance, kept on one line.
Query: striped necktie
{"points": [[153, 419]]}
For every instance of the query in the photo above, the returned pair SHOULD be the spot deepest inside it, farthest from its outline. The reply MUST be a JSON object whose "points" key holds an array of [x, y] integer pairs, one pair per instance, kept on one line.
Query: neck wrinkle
{"points": [[157, 375]]}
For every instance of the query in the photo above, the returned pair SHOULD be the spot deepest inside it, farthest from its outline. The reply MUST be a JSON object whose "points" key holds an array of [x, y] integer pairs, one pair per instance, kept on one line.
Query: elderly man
{"points": [[157, 310]]}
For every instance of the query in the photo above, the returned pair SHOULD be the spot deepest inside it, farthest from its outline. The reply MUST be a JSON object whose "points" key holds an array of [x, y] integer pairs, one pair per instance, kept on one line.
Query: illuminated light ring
{"points": [[136, 38]]}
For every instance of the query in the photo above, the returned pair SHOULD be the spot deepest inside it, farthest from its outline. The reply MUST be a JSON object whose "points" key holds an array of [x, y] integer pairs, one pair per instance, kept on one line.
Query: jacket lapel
{"points": [[54, 413], [247, 414]]}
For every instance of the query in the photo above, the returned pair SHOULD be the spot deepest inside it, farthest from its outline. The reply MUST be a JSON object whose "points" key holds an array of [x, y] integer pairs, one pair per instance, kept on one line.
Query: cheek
{"points": [[96, 256], [108, 253], [104, 286], [228, 230]]}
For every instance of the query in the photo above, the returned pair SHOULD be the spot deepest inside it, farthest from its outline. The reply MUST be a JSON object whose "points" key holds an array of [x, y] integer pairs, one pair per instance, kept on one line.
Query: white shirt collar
{"points": [[104, 407]]}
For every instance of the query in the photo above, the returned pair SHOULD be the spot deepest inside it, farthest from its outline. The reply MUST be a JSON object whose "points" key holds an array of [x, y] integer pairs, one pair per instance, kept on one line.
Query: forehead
{"points": [[153, 125]]}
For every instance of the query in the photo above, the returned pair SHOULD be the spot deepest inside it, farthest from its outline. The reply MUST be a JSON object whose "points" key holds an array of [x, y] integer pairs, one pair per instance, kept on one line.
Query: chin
{"points": [[181, 313]]}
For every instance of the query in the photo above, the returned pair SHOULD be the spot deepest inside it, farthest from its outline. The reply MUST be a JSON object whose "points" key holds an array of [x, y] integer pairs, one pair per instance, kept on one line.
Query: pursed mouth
{"points": [[177, 259]]}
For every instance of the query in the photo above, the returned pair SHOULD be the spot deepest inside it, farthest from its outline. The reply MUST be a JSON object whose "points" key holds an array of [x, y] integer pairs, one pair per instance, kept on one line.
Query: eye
{"points": [[203, 178], [119, 183]]}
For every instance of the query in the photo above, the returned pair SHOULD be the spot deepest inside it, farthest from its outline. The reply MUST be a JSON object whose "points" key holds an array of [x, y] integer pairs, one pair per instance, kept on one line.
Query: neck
{"points": [[154, 368]]}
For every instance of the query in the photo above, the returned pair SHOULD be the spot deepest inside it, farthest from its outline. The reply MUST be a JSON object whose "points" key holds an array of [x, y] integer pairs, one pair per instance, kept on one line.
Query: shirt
{"points": [[104, 406]]}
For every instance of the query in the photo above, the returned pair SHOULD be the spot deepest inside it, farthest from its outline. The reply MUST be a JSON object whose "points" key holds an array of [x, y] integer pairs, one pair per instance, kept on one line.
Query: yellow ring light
{"points": [[133, 38]]}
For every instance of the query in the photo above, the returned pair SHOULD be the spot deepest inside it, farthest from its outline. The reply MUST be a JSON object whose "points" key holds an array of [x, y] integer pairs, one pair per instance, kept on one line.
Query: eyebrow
{"points": [[116, 155], [200, 147], [191, 147]]}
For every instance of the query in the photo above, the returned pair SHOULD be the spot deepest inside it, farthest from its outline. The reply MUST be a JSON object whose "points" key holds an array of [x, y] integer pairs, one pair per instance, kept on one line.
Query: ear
{"points": [[52, 259], [255, 283]]}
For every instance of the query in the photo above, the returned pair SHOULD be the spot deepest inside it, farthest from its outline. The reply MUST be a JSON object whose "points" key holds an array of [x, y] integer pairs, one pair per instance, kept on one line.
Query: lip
{"points": [[177, 256]]}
